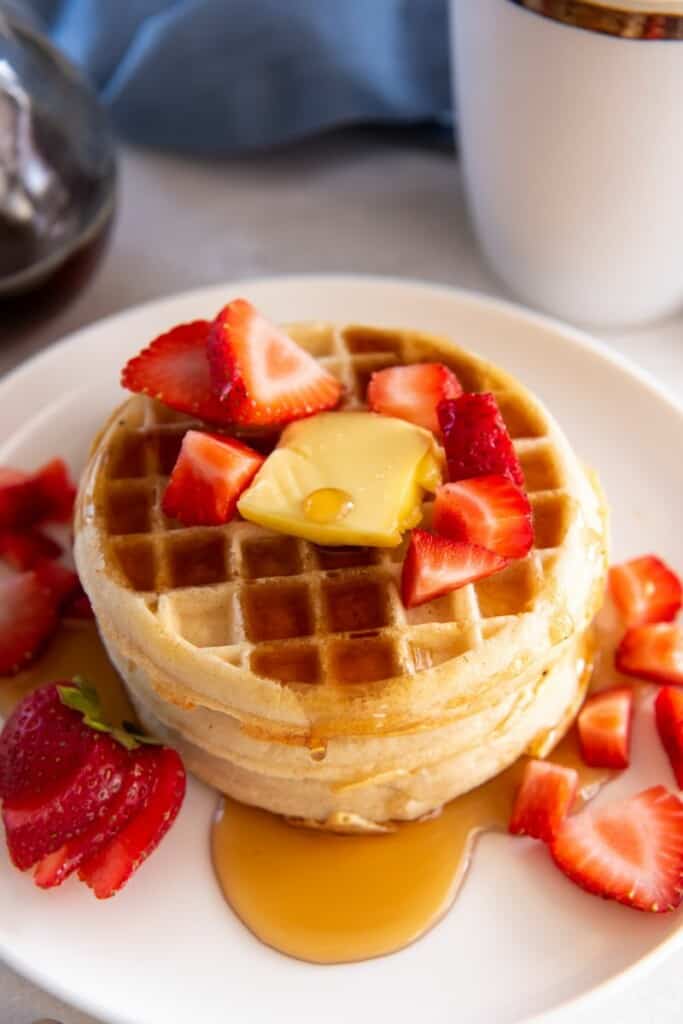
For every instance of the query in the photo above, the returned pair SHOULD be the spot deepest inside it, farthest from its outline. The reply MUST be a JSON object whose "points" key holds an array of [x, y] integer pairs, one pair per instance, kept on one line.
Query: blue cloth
{"points": [[220, 76]]}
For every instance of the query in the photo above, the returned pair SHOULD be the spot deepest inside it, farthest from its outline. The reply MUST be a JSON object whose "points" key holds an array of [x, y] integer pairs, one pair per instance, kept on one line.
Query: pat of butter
{"points": [[365, 474]]}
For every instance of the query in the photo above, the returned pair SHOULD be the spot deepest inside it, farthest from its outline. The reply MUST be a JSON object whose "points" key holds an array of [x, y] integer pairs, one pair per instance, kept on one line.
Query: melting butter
{"points": [[345, 478]]}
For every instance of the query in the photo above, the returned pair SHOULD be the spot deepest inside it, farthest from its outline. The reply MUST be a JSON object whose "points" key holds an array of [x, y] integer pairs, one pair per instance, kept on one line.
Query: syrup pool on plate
{"points": [[331, 898], [313, 894]]}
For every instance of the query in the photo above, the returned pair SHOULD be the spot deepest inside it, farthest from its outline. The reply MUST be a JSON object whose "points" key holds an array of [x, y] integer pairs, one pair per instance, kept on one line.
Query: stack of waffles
{"points": [[290, 675]]}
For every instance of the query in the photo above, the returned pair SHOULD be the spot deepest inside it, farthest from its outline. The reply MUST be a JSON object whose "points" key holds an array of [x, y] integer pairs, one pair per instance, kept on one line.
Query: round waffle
{"points": [[291, 675]]}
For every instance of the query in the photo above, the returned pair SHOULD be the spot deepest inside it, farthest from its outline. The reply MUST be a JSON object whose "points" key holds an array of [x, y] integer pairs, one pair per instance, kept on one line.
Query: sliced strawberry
{"points": [[61, 582], [15, 498], [78, 606], [261, 373], [487, 510], [39, 825], [30, 498], [669, 718], [476, 439], [604, 725], [107, 871], [41, 743], [436, 565], [137, 785], [54, 492], [24, 549], [652, 652], [413, 392], [645, 590], [630, 851], [175, 370], [28, 617], [209, 476], [544, 799]]}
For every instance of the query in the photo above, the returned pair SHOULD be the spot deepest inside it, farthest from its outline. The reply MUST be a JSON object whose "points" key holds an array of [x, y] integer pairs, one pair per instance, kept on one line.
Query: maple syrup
{"points": [[329, 898], [327, 505], [313, 894]]}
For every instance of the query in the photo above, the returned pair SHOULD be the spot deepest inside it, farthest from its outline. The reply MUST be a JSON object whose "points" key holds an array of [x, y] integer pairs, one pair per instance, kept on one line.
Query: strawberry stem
{"points": [[82, 697]]}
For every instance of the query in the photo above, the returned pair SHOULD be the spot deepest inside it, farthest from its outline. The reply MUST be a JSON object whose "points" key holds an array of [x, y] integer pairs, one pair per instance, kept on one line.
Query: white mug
{"points": [[570, 120]]}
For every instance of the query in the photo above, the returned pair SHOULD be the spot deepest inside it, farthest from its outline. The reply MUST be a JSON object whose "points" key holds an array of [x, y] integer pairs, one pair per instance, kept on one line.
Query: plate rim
{"points": [[582, 337], [579, 337]]}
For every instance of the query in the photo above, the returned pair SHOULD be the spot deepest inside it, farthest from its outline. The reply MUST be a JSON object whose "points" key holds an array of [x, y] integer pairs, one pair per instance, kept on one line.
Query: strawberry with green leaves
{"points": [[79, 794]]}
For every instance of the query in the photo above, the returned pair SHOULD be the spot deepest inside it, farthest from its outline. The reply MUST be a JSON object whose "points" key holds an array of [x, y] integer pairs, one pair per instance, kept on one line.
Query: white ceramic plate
{"points": [[520, 940]]}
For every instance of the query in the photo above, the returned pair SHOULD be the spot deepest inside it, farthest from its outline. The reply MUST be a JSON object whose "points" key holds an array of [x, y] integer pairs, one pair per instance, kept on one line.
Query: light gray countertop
{"points": [[357, 202]]}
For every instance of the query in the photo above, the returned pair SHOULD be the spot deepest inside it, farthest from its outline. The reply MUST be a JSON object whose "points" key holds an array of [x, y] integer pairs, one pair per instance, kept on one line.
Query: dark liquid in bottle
{"points": [[85, 214]]}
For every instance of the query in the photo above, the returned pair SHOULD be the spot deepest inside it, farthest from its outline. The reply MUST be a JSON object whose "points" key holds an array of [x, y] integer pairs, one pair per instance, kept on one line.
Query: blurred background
{"points": [[229, 76], [252, 138], [219, 139]]}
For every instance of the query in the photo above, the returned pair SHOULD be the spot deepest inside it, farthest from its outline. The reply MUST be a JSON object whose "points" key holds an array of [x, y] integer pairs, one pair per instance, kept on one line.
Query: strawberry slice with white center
{"points": [[669, 718], [487, 510], [630, 851], [476, 440], [544, 799], [645, 590], [413, 392], [652, 652], [261, 374], [210, 474], [174, 369], [436, 565], [604, 725], [28, 617]]}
